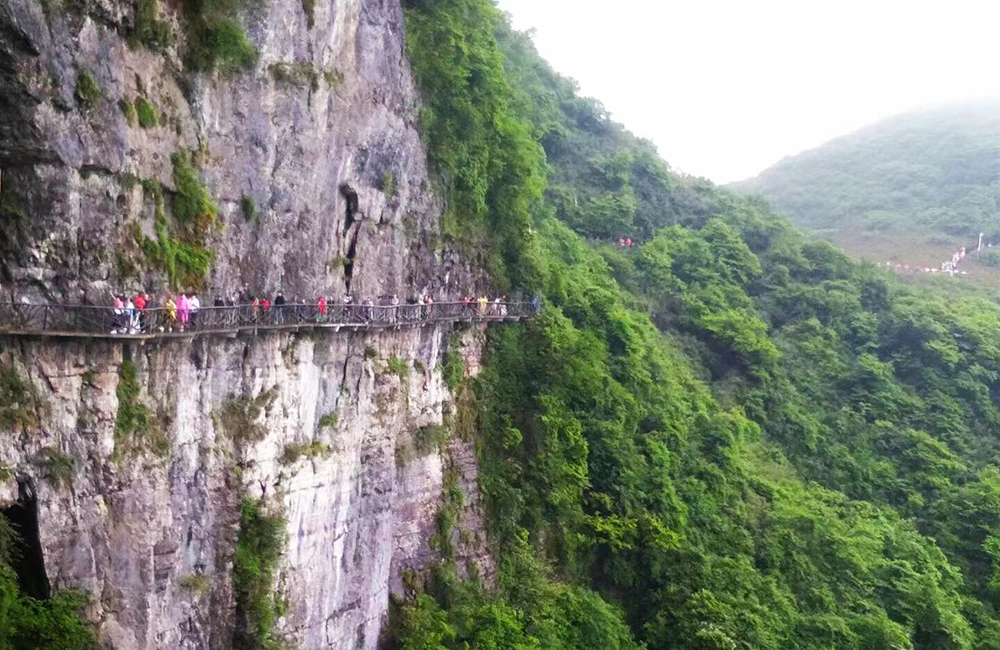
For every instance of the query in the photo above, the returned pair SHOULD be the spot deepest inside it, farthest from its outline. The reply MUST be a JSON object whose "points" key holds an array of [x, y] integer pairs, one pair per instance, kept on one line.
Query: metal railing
{"points": [[19, 318]]}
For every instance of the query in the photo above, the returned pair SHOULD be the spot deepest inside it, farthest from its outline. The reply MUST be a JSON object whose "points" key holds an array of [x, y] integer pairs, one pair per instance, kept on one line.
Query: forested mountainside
{"points": [[909, 188], [723, 437], [726, 437]]}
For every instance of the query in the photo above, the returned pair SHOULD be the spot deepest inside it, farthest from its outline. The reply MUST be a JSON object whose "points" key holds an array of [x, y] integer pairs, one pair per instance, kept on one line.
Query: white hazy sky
{"points": [[725, 88]]}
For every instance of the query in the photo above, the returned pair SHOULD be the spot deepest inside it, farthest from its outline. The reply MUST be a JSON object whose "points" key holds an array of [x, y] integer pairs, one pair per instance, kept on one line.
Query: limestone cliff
{"points": [[134, 518], [313, 159]]}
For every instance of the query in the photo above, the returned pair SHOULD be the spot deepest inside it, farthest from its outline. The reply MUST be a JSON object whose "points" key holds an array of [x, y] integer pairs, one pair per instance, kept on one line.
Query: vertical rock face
{"points": [[319, 136], [132, 525]]}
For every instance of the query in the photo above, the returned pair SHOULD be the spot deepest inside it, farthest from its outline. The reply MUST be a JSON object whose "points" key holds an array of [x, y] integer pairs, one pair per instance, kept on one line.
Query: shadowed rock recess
{"points": [[124, 167]]}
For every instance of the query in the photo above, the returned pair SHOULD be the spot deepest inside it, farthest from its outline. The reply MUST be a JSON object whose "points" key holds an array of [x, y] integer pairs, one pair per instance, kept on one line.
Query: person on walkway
{"points": [[194, 305], [321, 309], [218, 302], [503, 306], [254, 309], [628, 242], [141, 302], [171, 308], [183, 312], [279, 307], [481, 301], [116, 314]]}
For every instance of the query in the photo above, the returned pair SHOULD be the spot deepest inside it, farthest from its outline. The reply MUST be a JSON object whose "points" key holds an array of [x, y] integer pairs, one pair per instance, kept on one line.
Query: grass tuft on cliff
{"points": [[216, 39], [258, 548]]}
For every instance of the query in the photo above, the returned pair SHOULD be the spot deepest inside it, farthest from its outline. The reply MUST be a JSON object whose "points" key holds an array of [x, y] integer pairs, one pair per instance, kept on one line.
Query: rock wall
{"points": [[320, 135], [131, 528]]}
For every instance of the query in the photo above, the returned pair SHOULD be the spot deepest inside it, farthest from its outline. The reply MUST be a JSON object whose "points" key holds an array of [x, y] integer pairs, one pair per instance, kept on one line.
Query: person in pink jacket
{"points": [[183, 311]]}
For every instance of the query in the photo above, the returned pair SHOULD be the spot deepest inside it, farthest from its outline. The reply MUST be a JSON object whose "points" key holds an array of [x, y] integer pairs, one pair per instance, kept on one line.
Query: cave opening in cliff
{"points": [[26, 552]]}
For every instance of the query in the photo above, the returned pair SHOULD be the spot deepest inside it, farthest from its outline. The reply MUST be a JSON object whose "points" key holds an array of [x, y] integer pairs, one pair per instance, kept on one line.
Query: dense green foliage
{"points": [[258, 548], [27, 623], [726, 438], [145, 113], [87, 92], [179, 249], [490, 163], [933, 170], [216, 39]]}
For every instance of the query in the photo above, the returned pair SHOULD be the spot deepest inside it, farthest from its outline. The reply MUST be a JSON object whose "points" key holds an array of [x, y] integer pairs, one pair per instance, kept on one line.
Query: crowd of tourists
{"points": [[184, 312]]}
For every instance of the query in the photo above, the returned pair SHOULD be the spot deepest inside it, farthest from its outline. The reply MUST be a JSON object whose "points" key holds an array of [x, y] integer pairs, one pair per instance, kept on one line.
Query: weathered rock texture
{"points": [[321, 134], [130, 530]]}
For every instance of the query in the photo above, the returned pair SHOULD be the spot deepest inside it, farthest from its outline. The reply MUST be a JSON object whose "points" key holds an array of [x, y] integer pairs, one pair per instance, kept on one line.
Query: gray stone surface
{"points": [[298, 150], [314, 158], [128, 531]]}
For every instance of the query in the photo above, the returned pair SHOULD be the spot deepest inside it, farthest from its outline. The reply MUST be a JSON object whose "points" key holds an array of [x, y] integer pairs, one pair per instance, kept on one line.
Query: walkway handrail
{"points": [[21, 318]]}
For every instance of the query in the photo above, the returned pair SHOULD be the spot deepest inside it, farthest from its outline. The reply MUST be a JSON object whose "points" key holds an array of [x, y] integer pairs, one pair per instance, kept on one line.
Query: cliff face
{"points": [[319, 137], [132, 521]]}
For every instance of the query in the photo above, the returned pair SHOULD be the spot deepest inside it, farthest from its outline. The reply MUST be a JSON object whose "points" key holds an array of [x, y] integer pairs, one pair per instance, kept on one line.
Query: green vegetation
{"points": [[329, 421], [216, 40], [293, 452], [454, 367], [18, 401], [136, 428], [179, 248], [147, 28], [727, 438], [301, 73], [258, 548], [389, 184], [146, 113], [29, 624], [240, 417], [59, 469], [128, 110], [196, 583], [491, 166], [87, 92], [910, 188], [398, 367], [371, 353], [249, 209]]}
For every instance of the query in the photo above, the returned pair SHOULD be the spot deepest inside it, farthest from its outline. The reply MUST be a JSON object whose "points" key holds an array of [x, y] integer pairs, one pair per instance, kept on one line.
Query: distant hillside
{"points": [[908, 188]]}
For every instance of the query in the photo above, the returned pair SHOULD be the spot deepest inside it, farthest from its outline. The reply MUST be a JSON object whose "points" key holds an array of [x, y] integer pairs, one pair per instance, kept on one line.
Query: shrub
{"points": [[249, 209], [219, 43], [18, 401], [389, 184], [990, 258], [239, 417], [399, 367], [293, 452], [58, 468], [128, 110], [87, 92], [146, 113], [196, 583], [329, 421], [301, 73], [136, 429], [192, 205], [258, 548], [453, 369], [147, 28], [371, 353]]}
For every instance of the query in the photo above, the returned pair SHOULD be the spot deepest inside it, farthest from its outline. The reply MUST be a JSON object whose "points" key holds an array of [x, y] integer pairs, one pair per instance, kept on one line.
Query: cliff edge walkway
{"points": [[85, 321]]}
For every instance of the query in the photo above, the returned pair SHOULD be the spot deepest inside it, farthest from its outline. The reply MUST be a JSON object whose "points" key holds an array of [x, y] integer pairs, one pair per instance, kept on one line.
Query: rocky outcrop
{"points": [[313, 157], [318, 138], [131, 523]]}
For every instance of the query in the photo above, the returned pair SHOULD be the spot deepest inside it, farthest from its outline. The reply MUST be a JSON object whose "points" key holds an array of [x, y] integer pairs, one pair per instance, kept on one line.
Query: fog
{"points": [[727, 88]]}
